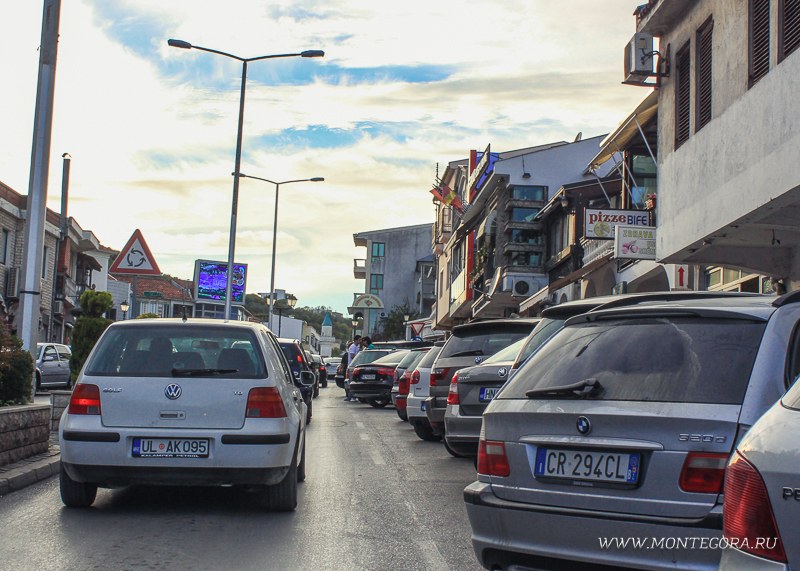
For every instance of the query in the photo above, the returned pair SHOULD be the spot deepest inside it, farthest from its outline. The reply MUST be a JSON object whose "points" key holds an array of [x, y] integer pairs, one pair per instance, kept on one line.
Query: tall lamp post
{"points": [[275, 230], [355, 324], [124, 306], [235, 206], [291, 301], [406, 317]]}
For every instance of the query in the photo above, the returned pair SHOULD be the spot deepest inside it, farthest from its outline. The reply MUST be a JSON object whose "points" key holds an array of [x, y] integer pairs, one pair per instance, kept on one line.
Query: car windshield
{"points": [[368, 356], [162, 351], [506, 355], [392, 358], [654, 359], [408, 358]]}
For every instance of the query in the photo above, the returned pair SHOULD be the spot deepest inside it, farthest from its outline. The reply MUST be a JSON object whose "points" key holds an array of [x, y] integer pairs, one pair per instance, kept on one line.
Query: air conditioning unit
{"points": [[639, 59], [521, 286], [12, 283], [58, 308]]}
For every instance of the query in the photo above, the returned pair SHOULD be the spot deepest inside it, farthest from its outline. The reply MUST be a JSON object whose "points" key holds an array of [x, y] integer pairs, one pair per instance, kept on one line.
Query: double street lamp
{"points": [[232, 241], [275, 231]]}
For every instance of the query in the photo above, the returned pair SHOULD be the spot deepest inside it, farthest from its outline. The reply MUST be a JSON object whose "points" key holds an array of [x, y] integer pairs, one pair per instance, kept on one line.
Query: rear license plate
{"points": [[368, 377], [422, 406], [587, 466], [170, 448], [487, 394]]}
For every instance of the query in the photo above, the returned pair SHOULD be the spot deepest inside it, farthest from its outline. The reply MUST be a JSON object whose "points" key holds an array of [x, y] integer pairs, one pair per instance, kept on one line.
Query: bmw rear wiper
{"points": [[201, 372], [576, 390], [466, 353]]}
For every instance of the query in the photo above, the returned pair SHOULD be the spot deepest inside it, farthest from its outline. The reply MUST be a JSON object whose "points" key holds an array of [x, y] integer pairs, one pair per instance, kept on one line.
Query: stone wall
{"points": [[59, 400], [24, 432]]}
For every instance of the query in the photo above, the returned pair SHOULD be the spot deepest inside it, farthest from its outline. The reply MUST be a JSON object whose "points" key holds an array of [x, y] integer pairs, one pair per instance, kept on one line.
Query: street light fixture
{"points": [[291, 301], [275, 230], [355, 324], [235, 206], [124, 306]]}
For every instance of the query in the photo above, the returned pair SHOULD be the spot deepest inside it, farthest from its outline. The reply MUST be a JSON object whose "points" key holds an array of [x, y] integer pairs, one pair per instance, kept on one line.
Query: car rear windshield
{"points": [[293, 354], [544, 330], [481, 342], [368, 356], [409, 358], [655, 359], [429, 358], [392, 358], [507, 354], [163, 351]]}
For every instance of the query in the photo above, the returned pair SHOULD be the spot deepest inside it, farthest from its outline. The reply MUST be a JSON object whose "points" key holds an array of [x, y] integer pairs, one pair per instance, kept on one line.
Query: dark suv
{"points": [[296, 356], [469, 345]]}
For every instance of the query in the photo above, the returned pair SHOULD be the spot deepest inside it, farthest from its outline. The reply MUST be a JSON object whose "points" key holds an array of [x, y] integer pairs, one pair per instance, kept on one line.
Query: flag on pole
{"points": [[448, 196]]}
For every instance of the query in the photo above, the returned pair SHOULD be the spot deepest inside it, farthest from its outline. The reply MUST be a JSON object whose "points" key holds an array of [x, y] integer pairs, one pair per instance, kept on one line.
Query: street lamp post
{"points": [[235, 206], [406, 317], [291, 301], [124, 306], [355, 324], [275, 230]]}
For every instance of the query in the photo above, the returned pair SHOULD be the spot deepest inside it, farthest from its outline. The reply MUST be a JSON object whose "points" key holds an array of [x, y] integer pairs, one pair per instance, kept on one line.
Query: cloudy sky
{"points": [[403, 86]]}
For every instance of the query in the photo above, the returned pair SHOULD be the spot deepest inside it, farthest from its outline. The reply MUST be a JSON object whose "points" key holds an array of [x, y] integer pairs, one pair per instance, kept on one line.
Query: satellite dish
{"points": [[579, 136]]}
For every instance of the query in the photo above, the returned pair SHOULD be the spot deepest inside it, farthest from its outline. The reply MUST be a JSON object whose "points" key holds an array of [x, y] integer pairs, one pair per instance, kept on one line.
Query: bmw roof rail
{"points": [[787, 298], [636, 299]]}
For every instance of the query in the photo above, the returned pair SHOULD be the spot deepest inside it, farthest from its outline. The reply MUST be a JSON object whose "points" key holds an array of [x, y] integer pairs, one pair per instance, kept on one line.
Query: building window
{"points": [[4, 252], [683, 89], [788, 27], [529, 193], [704, 73], [376, 281], [524, 214], [526, 259], [378, 249], [643, 171], [152, 307], [759, 40], [45, 253], [526, 237]]}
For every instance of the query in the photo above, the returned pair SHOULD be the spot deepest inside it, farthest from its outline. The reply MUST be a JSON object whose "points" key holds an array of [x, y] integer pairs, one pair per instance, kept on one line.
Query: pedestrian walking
{"points": [[352, 351]]}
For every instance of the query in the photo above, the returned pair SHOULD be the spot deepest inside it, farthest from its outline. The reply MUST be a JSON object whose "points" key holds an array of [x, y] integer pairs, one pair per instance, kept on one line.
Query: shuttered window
{"points": [[759, 39], [788, 27], [703, 69], [683, 92]]}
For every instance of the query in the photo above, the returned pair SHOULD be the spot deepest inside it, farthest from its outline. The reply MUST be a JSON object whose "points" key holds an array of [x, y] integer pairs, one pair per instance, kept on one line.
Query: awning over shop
{"points": [[627, 130]]}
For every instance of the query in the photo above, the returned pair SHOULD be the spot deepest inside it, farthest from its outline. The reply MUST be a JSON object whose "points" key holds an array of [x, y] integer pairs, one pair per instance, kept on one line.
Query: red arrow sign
{"points": [[135, 258], [680, 277]]}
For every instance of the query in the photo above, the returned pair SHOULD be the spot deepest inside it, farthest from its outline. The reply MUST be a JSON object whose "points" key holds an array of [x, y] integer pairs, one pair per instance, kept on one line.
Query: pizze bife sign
{"points": [[601, 223]]}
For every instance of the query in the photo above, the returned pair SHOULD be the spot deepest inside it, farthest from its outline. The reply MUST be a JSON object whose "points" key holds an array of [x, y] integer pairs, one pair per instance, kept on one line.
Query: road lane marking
{"points": [[360, 424], [364, 436], [432, 556], [377, 458]]}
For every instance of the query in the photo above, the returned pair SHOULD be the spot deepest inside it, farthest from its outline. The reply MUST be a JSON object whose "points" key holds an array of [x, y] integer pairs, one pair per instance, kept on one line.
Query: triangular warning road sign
{"points": [[417, 327], [135, 258]]}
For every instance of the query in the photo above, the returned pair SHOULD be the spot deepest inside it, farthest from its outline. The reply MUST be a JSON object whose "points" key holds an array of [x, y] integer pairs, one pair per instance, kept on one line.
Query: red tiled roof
{"points": [[163, 286]]}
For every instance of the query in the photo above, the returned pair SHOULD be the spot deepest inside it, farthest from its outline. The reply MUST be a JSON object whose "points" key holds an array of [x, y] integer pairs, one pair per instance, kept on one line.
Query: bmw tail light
{"points": [[265, 402], [492, 459], [703, 473], [85, 399], [438, 375], [415, 378], [452, 396], [748, 520]]}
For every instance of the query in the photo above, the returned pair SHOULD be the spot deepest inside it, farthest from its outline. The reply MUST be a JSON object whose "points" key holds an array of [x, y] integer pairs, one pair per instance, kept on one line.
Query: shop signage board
{"points": [[635, 242], [600, 223]]}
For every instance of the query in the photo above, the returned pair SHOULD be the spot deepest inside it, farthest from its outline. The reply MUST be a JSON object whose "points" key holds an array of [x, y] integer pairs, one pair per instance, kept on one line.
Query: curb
{"points": [[26, 472]]}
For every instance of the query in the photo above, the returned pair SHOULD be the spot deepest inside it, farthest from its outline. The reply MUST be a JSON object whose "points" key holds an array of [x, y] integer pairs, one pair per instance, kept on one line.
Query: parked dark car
{"points": [[363, 357], [373, 381], [319, 367], [402, 379], [297, 361], [469, 345]]}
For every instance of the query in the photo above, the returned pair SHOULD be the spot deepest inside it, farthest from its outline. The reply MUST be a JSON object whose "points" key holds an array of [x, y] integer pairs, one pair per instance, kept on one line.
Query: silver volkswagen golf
{"points": [[185, 402], [609, 445]]}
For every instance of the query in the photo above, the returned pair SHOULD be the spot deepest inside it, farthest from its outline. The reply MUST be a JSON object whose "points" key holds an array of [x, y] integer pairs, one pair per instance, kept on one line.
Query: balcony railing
{"points": [[594, 249], [458, 287]]}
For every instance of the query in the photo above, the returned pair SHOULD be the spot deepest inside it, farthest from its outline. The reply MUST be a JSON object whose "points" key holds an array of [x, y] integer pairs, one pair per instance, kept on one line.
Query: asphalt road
{"points": [[376, 498]]}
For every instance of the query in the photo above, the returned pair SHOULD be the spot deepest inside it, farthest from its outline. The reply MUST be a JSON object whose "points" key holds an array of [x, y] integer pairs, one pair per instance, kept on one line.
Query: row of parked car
{"points": [[617, 432]]}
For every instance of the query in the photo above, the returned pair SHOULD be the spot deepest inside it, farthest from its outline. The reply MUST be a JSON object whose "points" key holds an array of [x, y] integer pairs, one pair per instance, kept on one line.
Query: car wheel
{"points": [[308, 413], [282, 497], [301, 469], [403, 415], [379, 403], [425, 433], [76, 494], [452, 452]]}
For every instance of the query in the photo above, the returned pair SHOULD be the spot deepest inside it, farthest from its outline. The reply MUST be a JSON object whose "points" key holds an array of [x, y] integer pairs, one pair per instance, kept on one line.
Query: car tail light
{"points": [[355, 372], [396, 376], [452, 396], [438, 375], [403, 384], [703, 473], [387, 372], [85, 399], [748, 520], [492, 459], [265, 402], [415, 377]]}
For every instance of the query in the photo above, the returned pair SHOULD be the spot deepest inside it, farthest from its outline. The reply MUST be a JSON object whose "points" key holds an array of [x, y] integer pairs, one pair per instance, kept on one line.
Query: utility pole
{"points": [[30, 295]]}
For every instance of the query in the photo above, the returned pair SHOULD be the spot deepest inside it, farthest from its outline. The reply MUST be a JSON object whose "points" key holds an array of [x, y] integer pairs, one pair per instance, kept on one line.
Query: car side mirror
{"points": [[306, 379]]}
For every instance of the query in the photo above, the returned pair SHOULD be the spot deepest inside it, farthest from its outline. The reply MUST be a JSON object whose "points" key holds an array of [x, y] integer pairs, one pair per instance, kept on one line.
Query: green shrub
{"points": [[95, 303], [147, 316], [85, 334], [16, 371]]}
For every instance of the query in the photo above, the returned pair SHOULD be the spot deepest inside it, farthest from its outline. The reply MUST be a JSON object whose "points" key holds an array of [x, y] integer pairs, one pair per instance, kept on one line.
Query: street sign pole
{"points": [[30, 293]]}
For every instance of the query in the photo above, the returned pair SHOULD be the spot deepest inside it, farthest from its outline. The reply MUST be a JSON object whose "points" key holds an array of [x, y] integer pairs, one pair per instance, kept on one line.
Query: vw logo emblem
{"points": [[584, 425], [173, 391], [502, 372]]}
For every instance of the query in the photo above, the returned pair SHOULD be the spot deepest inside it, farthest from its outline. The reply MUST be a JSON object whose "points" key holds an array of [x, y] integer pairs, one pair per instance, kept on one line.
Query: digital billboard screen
{"points": [[212, 279]]}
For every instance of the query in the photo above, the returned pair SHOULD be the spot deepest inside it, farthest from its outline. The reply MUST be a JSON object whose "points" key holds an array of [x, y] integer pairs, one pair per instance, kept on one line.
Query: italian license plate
{"points": [[422, 406], [587, 466], [368, 377], [487, 393], [170, 448]]}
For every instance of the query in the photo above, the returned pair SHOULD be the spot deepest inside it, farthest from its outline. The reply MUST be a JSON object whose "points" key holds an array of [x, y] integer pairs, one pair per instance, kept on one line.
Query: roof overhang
{"points": [[626, 131]]}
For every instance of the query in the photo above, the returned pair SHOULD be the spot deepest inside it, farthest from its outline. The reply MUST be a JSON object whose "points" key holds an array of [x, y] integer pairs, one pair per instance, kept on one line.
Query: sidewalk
{"points": [[26, 472]]}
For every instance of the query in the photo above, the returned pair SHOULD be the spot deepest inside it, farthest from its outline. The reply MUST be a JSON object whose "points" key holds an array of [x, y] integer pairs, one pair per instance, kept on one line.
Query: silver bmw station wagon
{"points": [[185, 402]]}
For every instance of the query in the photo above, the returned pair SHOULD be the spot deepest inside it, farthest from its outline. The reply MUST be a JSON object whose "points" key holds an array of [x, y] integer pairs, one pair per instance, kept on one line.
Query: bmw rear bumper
{"points": [[462, 432], [509, 533]]}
